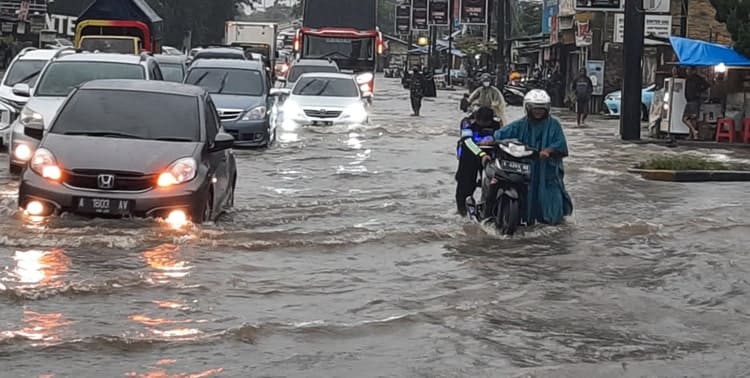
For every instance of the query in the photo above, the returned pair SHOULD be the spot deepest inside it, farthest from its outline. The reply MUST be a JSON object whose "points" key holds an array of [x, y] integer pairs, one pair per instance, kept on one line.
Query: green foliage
{"points": [[206, 22], [684, 163], [472, 45], [736, 14], [387, 16]]}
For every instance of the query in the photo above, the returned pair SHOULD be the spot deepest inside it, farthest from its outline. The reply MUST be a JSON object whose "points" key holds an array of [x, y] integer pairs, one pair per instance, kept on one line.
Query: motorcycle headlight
{"points": [[356, 112], [515, 150], [292, 110], [364, 78], [44, 164], [255, 114], [179, 172], [30, 118]]}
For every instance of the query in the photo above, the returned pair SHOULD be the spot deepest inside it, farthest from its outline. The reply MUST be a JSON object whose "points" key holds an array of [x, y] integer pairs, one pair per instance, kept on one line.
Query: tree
{"points": [[206, 23], [736, 14]]}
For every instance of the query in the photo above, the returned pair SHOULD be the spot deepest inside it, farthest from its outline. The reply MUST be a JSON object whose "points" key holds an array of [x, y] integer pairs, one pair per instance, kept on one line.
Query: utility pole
{"points": [[630, 115], [683, 17], [500, 31], [450, 42]]}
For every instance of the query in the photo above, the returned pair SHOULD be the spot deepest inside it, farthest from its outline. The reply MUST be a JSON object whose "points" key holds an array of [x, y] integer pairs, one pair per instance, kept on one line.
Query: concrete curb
{"points": [[692, 176]]}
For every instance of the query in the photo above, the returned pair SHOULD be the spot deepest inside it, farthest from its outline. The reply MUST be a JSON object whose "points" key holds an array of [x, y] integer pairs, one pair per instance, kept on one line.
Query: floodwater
{"points": [[343, 258]]}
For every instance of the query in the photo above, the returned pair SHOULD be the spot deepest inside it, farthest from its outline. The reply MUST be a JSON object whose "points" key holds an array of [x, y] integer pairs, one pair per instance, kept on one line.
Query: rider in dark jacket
{"points": [[470, 155]]}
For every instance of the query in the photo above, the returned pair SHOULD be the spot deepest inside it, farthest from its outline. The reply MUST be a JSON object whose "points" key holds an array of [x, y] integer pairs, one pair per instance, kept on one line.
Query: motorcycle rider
{"points": [[470, 156], [547, 201], [489, 96]]}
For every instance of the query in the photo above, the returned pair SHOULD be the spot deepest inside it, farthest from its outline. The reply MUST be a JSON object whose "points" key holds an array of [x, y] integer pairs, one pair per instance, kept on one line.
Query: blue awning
{"points": [[691, 52]]}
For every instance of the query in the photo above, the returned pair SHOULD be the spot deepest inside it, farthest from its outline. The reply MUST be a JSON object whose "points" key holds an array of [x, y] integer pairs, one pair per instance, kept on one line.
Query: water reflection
{"points": [[165, 260], [164, 374], [40, 268], [47, 328], [354, 141]]}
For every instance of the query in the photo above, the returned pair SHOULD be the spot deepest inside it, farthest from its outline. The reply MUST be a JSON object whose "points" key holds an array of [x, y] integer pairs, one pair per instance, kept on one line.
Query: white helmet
{"points": [[535, 99]]}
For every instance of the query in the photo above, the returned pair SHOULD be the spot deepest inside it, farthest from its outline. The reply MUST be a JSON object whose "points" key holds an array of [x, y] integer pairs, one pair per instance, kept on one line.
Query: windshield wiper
{"points": [[175, 139], [302, 90], [320, 92], [223, 82], [201, 77], [26, 78], [106, 134]]}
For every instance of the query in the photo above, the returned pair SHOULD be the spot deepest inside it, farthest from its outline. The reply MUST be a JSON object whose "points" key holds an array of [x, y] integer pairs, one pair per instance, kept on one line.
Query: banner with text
{"points": [[419, 15], [656, 25], [474, 12], [438, 11]]}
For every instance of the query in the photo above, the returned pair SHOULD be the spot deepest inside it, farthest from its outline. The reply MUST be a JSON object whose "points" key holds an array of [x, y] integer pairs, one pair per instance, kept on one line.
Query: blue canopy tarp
{"points": [[691, 52]]}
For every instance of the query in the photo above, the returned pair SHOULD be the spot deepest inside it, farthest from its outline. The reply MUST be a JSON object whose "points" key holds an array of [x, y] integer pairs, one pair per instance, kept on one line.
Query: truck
{"points": [[254, 37], [119, 26], [344, 31]]}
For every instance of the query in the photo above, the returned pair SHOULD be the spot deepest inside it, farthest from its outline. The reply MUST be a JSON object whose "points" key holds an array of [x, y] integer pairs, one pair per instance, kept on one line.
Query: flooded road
{"points": [[344, 258]]}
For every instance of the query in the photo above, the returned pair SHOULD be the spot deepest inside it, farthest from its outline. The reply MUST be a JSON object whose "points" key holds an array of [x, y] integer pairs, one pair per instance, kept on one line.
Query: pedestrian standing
{"points": [[583, 88], [416, 90]]}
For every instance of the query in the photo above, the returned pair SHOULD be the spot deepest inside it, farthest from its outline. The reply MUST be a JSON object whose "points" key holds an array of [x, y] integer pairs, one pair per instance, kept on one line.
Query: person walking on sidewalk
{"points": [[695, 87], [583, 88], [416, 90]]}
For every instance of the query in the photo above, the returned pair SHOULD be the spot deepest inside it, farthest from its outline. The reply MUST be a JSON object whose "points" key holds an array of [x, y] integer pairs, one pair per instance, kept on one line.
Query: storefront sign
{"points": [[474, 12], [655, 25], [598, 5], [64, 25], [438, 11], [419, 15], [403, 18], [550, 11], [584, 37], [595, 72]]}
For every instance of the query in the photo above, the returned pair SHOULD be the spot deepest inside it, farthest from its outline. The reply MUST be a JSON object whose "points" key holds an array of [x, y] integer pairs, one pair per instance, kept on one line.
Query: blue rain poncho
{"points": [[548, 201]]}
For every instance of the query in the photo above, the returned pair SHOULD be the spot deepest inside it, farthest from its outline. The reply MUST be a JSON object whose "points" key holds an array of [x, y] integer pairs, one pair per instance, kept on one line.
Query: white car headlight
{"points": [[356, 112], [179, 172], [45, 164], [30, 118], [255, 114], [292, 110]]}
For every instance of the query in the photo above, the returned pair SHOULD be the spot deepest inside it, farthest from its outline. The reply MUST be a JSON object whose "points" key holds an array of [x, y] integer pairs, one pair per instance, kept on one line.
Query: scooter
{"points": [[505, 184], [514, 95]]}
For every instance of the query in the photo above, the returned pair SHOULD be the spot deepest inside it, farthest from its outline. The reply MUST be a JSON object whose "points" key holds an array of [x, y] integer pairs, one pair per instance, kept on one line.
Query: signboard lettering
{"points": [[438, 11], [656, 25], [474, 12], [598, 5]]}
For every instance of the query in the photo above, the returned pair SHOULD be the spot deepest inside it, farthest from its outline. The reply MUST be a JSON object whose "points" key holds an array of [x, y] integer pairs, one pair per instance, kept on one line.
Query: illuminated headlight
{"points": [[666, 97], [364, 78], [22, 152], [255, 114], [356, 112], [179, 172], [44, 164], [29, 118], [515, 150], [292, 110], [365, 88]]}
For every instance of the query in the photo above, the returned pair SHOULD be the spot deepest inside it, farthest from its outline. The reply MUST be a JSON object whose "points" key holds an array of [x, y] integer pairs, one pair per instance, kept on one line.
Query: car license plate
{"points": [[515, 166], [104, 206]]}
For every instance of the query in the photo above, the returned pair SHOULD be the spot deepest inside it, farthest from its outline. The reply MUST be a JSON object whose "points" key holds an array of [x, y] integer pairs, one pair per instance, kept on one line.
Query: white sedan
{"points": [[324, 99]]}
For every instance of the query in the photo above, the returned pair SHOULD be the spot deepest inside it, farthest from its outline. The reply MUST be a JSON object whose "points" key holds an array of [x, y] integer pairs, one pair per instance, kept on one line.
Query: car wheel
{"points": [[207, 210], [230, 199]]}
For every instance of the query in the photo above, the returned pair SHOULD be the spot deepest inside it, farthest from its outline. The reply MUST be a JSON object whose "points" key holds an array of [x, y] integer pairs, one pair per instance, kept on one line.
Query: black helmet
{"points": [[485, 114]]}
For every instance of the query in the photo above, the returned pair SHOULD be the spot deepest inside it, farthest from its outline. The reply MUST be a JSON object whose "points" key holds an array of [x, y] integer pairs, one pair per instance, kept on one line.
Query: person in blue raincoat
{"points": [[548, 201]]}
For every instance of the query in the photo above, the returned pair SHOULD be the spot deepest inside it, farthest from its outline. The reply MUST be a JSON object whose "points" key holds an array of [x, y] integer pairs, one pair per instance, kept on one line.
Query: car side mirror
{"points": [[223, 141], [22, 89], [34, 131]]}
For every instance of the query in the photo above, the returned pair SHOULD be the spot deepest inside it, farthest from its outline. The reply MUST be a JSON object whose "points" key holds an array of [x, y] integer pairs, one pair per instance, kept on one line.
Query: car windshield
{"points": [[61, 77], [298, 70], [220, 55], [227, 81], [172, 72], [101, 113], [24, 72], [118, 46], [324, 86]]}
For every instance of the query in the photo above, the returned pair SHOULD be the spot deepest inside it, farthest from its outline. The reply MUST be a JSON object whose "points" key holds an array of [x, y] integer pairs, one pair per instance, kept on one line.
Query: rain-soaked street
{"points": [[344, 258]]}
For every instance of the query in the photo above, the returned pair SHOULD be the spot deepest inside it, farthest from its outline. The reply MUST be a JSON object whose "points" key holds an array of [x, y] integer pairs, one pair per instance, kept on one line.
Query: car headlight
{"points": [[364, 78], [292, 110], [23, 152], [356, 112], [30, 118], [255, 114], [179, 172], [44, 164]]}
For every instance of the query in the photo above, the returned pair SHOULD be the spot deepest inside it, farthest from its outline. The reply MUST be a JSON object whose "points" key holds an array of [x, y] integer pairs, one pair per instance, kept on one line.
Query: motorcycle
{"points": [[505, 184], [514, 95]]}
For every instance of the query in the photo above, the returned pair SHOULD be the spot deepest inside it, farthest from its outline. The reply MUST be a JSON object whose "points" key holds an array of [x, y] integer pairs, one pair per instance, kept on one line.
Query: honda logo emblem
{"points": [[106, 181]]}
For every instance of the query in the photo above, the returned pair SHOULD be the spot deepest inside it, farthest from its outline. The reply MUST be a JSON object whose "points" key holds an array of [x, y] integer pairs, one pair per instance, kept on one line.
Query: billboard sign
{"points": [[403, 19], [438, 11], [419, 15], [599, 5], [656, 25], [474, 12]]}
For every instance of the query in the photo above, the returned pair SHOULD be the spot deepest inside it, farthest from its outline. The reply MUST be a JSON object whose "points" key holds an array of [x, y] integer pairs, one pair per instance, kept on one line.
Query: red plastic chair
{"points": [[746, 130], [721, 133]]}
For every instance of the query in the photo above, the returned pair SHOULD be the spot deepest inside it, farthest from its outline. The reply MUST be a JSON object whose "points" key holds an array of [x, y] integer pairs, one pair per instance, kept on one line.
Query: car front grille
{"points": [[123, 181], [322, 113], [229, 114], [238, 136]]}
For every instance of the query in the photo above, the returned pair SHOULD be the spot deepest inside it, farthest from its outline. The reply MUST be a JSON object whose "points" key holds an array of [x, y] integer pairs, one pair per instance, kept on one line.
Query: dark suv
{"points": [[242, 92], [113, 150]]}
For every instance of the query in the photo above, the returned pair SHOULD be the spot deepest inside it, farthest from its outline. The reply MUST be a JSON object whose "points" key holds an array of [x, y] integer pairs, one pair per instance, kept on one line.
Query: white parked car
{"points": [[324, 99]]}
